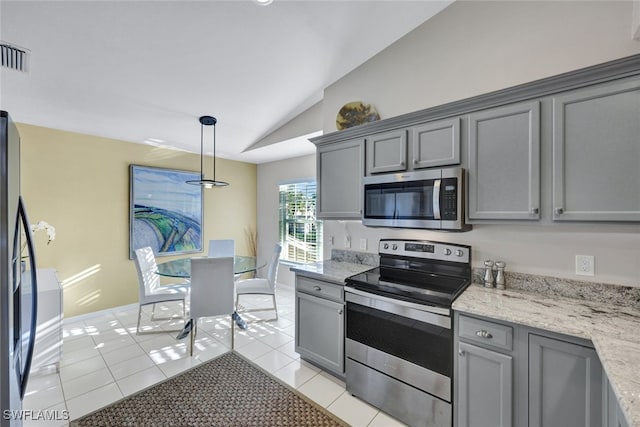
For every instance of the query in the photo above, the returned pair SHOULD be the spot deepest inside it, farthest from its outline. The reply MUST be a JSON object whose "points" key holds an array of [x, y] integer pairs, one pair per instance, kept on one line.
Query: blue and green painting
{"points": [[167, 212]]}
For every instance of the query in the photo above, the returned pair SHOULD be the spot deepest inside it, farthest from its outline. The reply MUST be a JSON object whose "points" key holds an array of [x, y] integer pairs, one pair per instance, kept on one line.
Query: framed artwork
{"points": [[165, 212]]}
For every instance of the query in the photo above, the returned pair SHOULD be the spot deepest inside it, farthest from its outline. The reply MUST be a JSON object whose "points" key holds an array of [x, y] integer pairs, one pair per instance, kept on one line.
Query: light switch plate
{"points": [[363, 244]]}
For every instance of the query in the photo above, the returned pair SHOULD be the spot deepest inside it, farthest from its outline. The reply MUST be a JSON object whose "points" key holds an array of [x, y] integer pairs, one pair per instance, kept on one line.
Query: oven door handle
{"points": [[425, 313]]}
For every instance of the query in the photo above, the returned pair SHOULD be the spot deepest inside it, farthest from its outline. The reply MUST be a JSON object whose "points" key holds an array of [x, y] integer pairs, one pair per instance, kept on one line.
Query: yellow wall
{"points": [[80, 185]]}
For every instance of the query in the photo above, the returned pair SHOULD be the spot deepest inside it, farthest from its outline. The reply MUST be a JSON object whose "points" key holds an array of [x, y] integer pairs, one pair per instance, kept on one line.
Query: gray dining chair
{"points": [[222, 248], [151, 291], [212, 292], [261, 286]]}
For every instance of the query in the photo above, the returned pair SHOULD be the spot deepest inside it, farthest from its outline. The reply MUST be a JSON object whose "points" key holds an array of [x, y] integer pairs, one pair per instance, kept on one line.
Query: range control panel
{"points": [[425, 249]]}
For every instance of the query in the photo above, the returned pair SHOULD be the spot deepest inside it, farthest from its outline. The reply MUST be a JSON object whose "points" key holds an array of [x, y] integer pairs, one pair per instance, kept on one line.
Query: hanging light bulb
{"points": [[207, 183]]}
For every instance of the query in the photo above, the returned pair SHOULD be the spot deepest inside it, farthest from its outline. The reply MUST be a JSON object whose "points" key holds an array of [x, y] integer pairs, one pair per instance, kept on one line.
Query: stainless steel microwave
{"points": [[432, 199]]}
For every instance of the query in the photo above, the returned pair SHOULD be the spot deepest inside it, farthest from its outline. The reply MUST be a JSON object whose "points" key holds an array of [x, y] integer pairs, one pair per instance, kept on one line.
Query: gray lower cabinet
{"points": [[485, 387], [319, 327], [340, 168], [504, 163], [612, 415], [513, 375], [565, 384], [596, 153]]}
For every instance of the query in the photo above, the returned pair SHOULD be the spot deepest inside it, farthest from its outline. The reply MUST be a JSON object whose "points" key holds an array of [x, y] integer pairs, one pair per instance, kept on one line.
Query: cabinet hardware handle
{"points": [[559, 211], [484, 334], [317, 288], [340, 312], [461, 352], [415, 161], [534, 211], [402, 163]]}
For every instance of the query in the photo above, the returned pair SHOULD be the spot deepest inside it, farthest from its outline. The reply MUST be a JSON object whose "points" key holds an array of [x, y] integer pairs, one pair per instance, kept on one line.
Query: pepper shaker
{"points": [[488, 274], [500, 283]]}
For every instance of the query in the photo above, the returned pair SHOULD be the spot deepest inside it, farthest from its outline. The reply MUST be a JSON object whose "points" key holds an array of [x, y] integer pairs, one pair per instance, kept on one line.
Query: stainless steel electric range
{"points": [[399, 329]]}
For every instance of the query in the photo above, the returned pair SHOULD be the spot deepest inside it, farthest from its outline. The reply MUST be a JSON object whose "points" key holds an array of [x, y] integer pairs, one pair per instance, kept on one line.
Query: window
{"points": [[300, 231]]}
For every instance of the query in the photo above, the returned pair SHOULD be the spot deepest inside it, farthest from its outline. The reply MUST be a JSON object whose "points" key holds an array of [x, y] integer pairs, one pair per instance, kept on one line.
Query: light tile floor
{"points": [[104, 360]]}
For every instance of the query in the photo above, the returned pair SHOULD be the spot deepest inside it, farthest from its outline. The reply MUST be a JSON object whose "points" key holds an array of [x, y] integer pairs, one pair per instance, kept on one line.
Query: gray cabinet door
{"points": [[485, 387], [504, 163], [565, 384], [387, 152], [320, 331], [596, 153], [436, 144], [612, 415], [340, 168]]}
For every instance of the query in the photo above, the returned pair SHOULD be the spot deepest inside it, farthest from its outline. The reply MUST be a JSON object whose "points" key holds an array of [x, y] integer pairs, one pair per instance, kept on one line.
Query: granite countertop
{"points": [[614, 331], [331, 270]]}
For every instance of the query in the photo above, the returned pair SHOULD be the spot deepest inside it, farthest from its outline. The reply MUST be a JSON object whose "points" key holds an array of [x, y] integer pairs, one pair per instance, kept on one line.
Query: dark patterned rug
{"points": [[226, 391]]}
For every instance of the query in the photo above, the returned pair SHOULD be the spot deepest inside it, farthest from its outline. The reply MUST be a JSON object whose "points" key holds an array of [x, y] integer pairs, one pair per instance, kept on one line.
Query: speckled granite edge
{"points": [[355, 257], [625, 296]]}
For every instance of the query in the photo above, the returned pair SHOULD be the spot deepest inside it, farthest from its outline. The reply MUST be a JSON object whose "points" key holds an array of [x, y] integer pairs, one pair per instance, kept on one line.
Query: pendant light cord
{"points": [[214, 152], [202, 151]]}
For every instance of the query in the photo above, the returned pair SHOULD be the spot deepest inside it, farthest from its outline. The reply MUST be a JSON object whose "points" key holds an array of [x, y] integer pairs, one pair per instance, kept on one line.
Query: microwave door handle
{"points": [[436, 199]]}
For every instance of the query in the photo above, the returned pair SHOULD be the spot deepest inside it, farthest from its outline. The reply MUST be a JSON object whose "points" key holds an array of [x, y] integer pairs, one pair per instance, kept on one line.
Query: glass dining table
{"points": [[181, 268]]}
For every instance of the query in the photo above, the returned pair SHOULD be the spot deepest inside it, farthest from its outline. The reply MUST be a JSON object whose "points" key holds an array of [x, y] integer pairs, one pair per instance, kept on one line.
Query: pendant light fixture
{"points": [[207, 183]]}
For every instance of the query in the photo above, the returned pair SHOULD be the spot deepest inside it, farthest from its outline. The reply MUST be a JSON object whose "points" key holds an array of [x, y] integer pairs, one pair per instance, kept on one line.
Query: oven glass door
{"points": [[402, 200], [424, 344]]}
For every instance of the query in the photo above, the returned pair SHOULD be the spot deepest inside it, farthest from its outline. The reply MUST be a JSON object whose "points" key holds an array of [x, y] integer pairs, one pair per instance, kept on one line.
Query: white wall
{"points": [[474, 47], [270, 176], [470, 48]]}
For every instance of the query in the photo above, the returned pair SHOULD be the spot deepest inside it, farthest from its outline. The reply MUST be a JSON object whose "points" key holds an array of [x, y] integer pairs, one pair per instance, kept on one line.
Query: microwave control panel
{"points": [[449, 199]]}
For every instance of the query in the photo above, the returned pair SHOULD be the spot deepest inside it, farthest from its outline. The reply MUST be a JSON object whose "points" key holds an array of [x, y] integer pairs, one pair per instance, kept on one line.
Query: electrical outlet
{"points": [[347, 242], [585, 265], [363, 244]]}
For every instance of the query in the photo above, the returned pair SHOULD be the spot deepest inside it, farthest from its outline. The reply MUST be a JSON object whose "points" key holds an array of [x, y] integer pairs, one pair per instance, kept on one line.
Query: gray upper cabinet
{"points": [[596, 153], [485, 381], [504, 163], [387, 152], [340, 168], [435, 144], [426, 145], [565, 384]]}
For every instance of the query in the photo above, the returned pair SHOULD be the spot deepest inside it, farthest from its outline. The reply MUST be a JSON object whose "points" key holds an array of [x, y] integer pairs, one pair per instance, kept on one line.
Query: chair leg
{"points": [[139, 315], [194, 329], [233, 322], [275, 307]]}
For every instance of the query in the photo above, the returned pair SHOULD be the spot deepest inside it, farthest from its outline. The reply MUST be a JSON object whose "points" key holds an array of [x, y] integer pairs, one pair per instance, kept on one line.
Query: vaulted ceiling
{"points": [[144, 71]]}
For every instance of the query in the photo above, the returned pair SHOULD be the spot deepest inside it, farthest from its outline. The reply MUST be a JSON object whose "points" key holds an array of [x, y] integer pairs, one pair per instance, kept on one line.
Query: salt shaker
{"points": [[488, 274], [500, 265]]}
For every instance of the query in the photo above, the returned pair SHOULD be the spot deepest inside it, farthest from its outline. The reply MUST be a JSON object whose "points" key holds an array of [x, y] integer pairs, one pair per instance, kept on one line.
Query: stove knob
{"points": [[394, 247], [447, 251], [386, 246], [459, 252]]}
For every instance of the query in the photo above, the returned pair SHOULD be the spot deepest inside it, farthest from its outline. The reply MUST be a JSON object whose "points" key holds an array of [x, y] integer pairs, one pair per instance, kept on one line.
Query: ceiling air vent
{"points": [[14, 57]]}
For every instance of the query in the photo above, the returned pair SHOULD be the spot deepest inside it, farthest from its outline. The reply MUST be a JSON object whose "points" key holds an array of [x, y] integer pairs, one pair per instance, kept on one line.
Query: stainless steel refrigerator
{"points": [[18, 283]]}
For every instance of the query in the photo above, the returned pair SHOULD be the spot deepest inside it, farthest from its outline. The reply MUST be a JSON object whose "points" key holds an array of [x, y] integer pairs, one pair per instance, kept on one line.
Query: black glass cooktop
{"points": [[408, 285]]}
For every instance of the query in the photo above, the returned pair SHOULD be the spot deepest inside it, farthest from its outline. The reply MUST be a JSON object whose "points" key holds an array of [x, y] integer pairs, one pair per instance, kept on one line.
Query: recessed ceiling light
{"points": [[263, 2]]}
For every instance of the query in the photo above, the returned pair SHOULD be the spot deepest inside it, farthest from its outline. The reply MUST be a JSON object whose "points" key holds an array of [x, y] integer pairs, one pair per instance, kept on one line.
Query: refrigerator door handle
{"points": [[34, 297]]}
